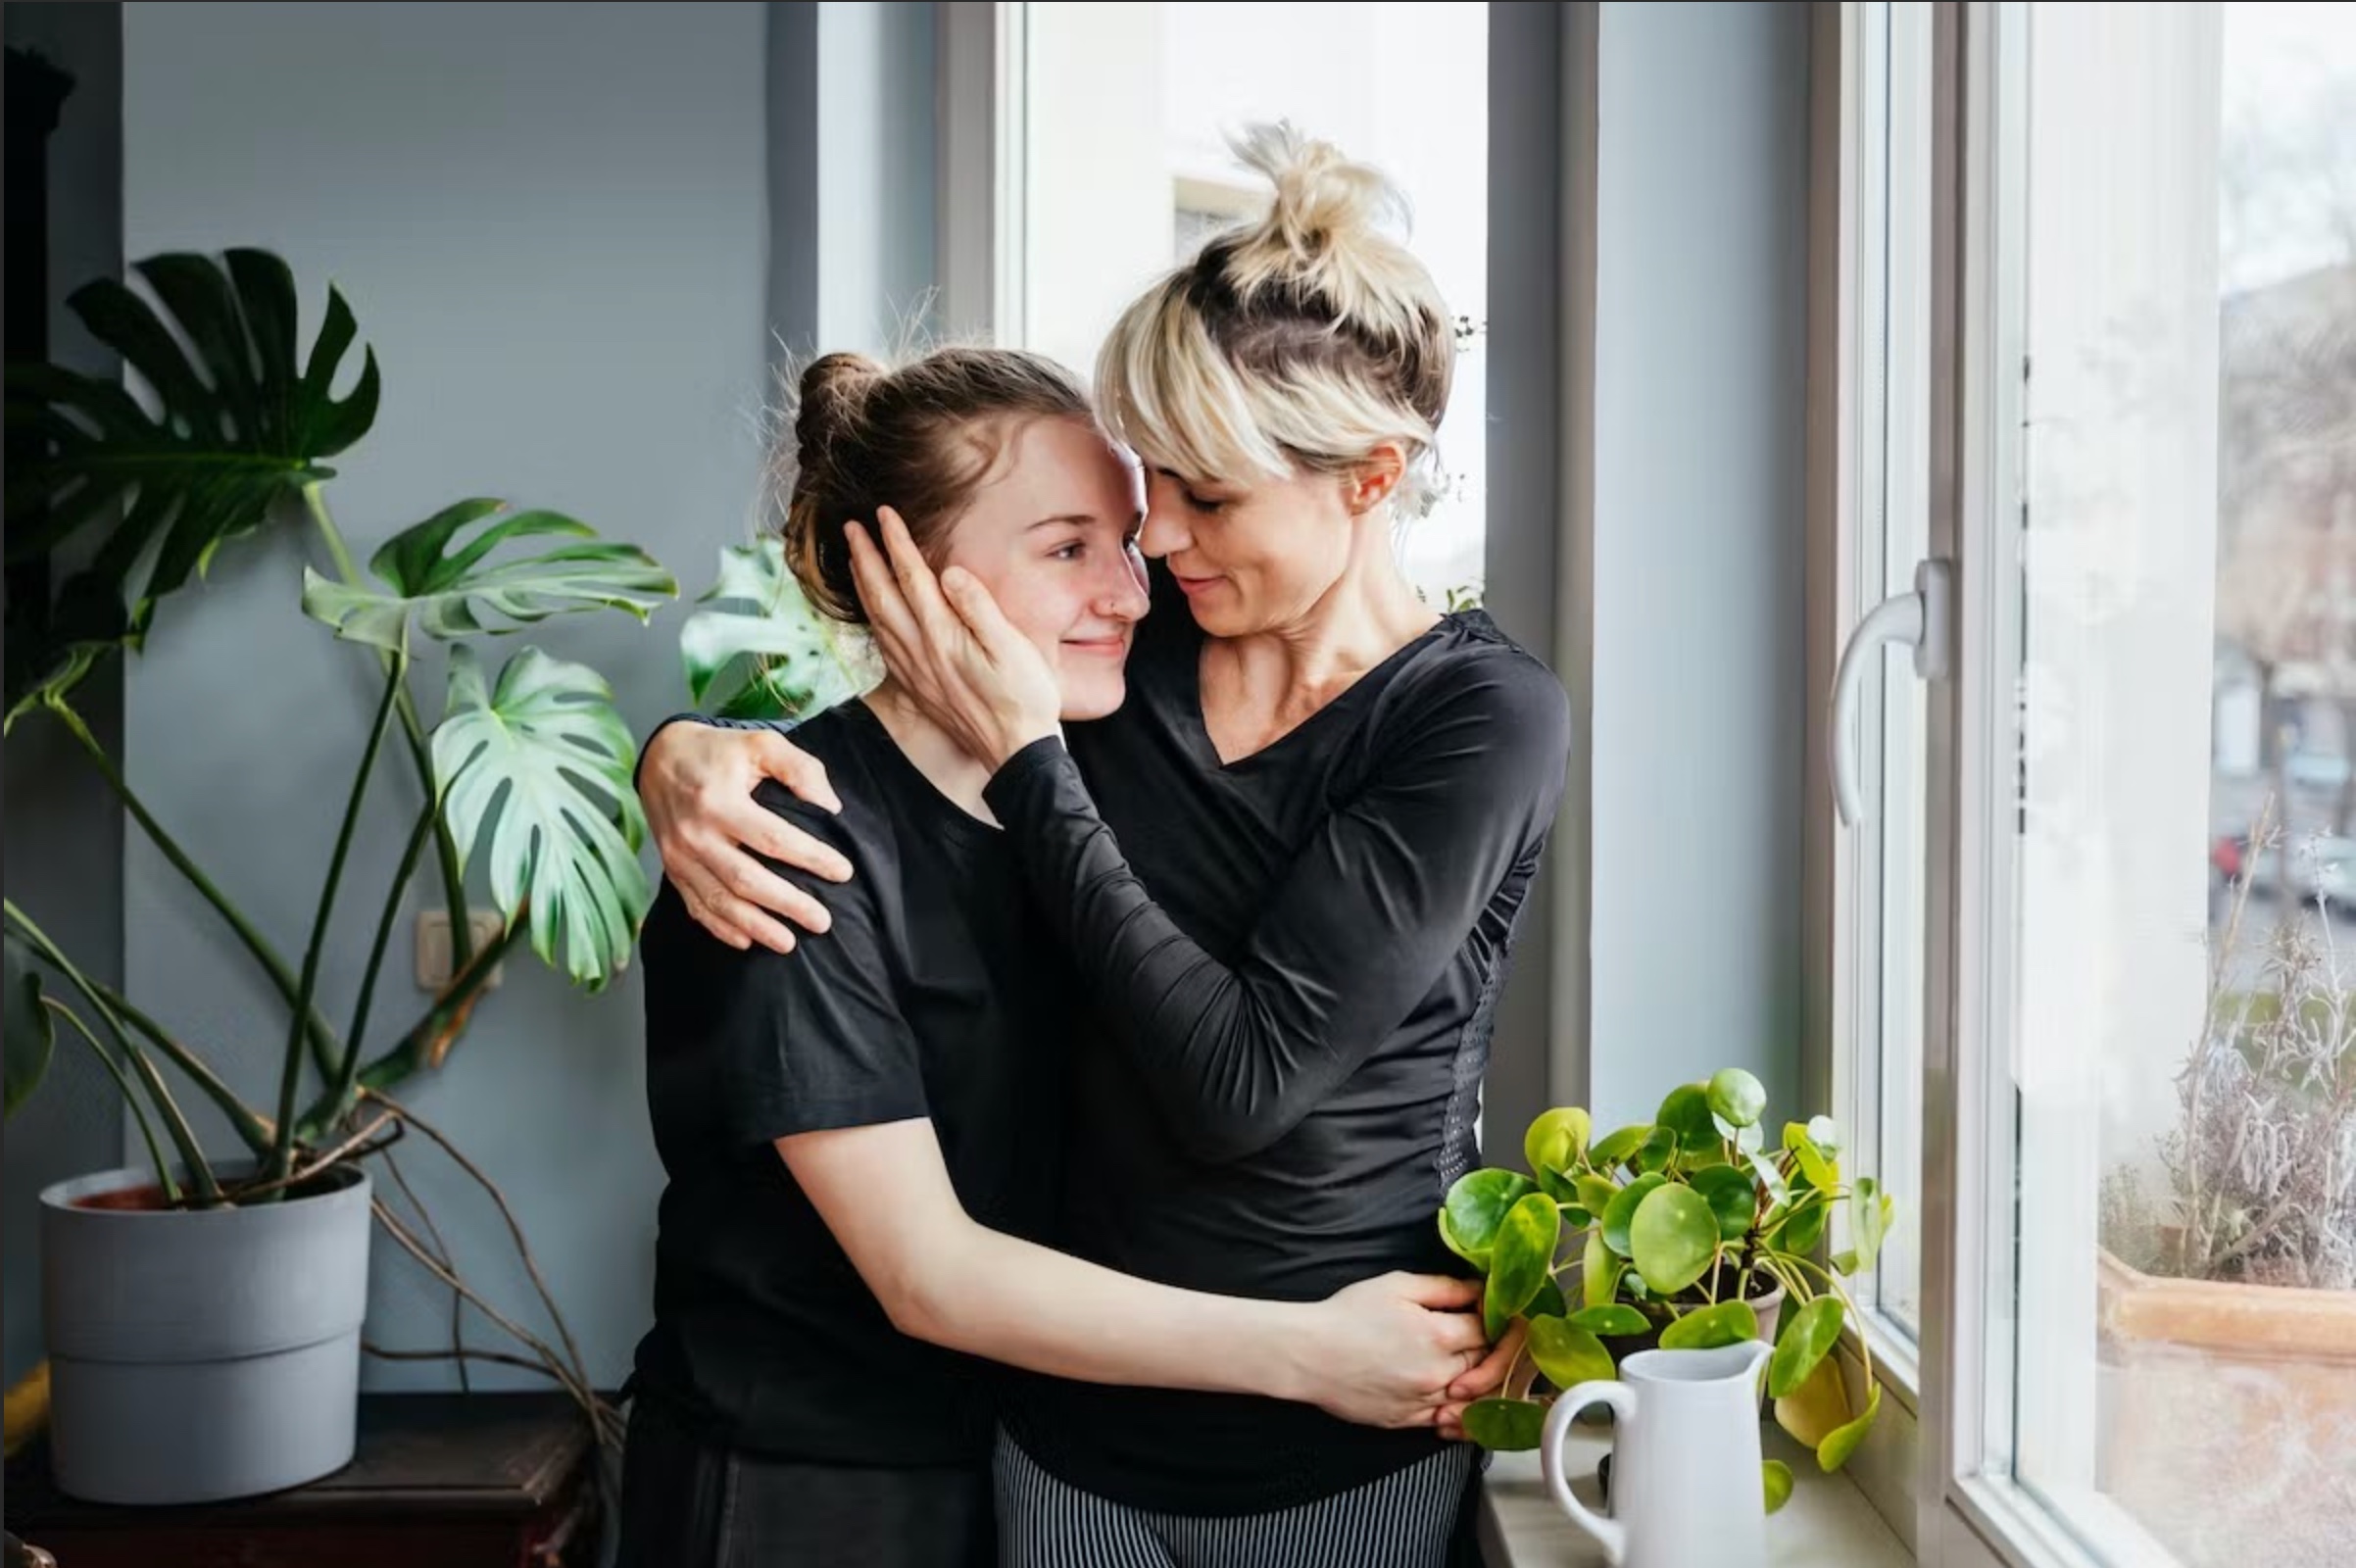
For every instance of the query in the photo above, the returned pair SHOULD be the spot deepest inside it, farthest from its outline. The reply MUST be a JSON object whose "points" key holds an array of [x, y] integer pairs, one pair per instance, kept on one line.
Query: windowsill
{"points": [[1827, 1524]]}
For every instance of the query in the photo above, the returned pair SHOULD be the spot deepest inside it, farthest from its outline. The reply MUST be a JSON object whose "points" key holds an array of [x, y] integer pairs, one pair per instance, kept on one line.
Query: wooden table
{"points": [[451, 1479]]}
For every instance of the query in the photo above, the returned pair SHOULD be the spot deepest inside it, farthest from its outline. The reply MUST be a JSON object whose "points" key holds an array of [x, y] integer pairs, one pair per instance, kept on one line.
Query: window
{"points": [[2140, 1034], [1123, 179], [1884, 514]]}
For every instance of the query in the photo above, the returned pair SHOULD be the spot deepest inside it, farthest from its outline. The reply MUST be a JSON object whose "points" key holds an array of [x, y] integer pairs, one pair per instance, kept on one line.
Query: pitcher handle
{"points": [[1609, 1533]]}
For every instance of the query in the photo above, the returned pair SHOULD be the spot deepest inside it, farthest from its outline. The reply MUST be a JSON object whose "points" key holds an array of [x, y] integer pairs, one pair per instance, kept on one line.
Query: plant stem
{"points": [[462, 1355], [345, 1149], [599, 1413], [322, 1041], [130, 1097], [251, 1129], [347, 1071], [176, 1123], [291, 1079], [523, 1250], [430, 1038], [454, 881], [458, 1301]]}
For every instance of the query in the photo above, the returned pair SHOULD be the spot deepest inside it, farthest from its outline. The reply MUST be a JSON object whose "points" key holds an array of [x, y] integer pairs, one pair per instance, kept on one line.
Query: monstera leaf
{"points": [[450, 594], [764, 646], [233, 424], [541, 767], [29, 1036]]}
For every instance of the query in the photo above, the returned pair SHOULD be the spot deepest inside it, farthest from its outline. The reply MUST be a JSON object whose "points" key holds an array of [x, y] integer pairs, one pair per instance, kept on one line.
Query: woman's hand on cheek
{"points": [[950, 648]]}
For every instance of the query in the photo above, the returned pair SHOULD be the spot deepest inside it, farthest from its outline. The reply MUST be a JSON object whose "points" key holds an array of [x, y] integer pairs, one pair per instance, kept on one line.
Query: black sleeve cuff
{"points": [[1037, 780]]}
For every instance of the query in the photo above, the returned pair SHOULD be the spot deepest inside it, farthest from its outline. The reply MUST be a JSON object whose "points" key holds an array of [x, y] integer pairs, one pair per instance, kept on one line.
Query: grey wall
{"points": [[1696, 660], [64, 845], [1538, 1055], [551, 222]]}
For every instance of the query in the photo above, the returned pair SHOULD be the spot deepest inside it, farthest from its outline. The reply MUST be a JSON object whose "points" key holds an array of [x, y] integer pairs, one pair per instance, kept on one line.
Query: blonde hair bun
{"points": [[1303, 339]]}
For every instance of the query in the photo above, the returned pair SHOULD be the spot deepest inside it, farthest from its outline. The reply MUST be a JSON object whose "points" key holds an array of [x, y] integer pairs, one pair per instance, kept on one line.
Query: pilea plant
{"points": [[1687, 1231]]}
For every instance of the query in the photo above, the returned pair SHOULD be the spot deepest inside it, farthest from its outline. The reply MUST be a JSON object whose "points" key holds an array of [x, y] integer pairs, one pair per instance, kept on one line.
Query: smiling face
{"points": [[1052, 532], [1253, 558]]}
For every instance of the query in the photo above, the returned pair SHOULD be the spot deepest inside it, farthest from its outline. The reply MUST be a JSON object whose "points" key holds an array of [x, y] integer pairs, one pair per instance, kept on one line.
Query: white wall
{"points": [[550, 223]]}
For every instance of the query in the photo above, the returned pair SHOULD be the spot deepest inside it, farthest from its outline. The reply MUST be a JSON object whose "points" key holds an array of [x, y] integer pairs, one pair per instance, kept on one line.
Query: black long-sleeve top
{"points": [[1292, 960]]}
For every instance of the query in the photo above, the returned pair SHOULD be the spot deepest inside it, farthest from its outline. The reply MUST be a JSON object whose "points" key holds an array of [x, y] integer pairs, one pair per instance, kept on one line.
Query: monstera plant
{"points": [[115, 502], [1683, 1231]]}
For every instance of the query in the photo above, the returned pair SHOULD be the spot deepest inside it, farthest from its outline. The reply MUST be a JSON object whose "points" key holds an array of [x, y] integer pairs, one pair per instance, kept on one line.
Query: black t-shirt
{"points": [[937, 994], [1293, 961]]}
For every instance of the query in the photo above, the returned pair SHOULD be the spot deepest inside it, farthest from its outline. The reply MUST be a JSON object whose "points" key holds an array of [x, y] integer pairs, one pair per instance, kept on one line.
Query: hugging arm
{"points": [[1358, 930]]}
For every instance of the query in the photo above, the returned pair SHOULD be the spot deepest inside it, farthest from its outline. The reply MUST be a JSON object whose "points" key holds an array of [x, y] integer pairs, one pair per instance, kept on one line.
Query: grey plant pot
{"points": [[199, 1355]]}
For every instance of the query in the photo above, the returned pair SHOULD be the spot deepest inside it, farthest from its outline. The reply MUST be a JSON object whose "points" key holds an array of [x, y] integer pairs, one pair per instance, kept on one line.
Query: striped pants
{"points": [[1407, 1520]]}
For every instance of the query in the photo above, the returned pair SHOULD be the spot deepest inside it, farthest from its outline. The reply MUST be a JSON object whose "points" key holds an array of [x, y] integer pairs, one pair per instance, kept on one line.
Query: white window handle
{"points": [[1918, 619]]}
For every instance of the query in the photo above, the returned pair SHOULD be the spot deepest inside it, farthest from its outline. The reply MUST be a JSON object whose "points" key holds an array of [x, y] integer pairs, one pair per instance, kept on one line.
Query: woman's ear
{"points": [[1375, 477]]}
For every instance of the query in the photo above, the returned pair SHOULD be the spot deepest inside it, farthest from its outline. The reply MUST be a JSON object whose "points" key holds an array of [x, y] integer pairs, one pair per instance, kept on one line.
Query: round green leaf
{"points": [[1737, 1097], [1598, 1273], [1706, 1328], [1456, 1243], [1659, 1150], [1476, 1207], [1566, 1353], [1673, 1237], [1803, 1231], [1555, 1185], [1621, 1211], [1612, 1319], [1595, 1192], [1801, 1343], [1686, 1113], [1612, 1150], [1505, 1426], [1834, 1451], [1522, 1259], [1732, 1195], [1778, 1478], [1825, 1133], [1818, 1171], [1555, 1140], [1548, 1302], [1868, 1219]]}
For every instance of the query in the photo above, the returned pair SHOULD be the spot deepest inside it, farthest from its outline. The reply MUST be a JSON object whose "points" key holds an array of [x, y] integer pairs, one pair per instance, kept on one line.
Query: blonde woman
{"points": [[847, 1131], [1288, 870]]}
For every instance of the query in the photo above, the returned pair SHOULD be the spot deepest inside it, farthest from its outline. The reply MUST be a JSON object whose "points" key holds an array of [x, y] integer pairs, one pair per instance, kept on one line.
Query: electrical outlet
{"points": [[435, 966]]}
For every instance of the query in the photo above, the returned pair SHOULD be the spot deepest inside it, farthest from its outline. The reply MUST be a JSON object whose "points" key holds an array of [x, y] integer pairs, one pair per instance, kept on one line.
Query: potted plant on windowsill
{"points": [[2233, 1291], [203, 1313], [1684, 1232]]}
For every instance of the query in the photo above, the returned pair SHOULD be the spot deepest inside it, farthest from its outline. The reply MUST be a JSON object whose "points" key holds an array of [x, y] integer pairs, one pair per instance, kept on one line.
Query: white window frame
{"points": [[979, 228], [1868, 447], [1972, 1513]]}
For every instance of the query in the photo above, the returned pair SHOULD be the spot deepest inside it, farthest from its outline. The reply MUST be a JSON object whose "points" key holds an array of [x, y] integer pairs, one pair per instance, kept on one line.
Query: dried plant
{"points": [[2262, 1163]]}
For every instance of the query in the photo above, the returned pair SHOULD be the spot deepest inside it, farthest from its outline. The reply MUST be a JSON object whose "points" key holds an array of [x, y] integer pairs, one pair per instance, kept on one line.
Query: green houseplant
{"points": [[114, 503], [1689, 1232]]}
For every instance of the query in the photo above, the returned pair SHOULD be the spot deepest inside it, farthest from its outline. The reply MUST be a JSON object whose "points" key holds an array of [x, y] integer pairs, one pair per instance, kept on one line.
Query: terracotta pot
{"points": [[2230, 1414]]}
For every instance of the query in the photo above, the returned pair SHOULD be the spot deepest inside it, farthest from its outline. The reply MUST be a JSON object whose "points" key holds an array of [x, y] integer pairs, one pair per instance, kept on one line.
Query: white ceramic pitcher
{"points": [[1686, 1488]]}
